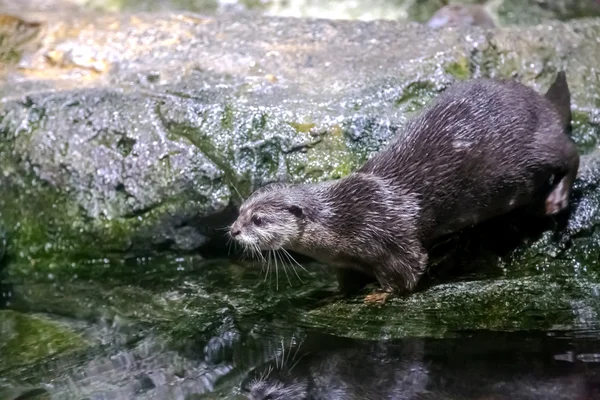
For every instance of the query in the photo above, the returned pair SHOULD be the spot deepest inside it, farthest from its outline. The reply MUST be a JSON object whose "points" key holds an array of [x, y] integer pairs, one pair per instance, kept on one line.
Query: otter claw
{"points": [[377, 298]]}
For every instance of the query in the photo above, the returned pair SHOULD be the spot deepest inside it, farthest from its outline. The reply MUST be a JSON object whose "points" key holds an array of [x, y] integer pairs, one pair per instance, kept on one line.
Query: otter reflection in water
{"points": [[422, 370]]}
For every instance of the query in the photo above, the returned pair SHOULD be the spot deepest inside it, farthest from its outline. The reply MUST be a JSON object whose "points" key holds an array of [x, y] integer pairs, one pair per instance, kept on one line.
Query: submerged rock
{"points": [[27, 339]]}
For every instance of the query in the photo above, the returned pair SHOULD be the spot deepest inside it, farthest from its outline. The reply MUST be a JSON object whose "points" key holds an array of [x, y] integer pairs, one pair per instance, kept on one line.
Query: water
{"points": [[305, 364], [198, 329]]}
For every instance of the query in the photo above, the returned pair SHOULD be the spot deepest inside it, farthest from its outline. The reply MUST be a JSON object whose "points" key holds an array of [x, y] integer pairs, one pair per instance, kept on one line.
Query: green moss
{"points": [[52, 229], [28, 338], [302, 127], [125, 146], [204, 143], [416, 95], [459, 69], [18, 392], [227, 118], [329, 159], [535, 303], [585, 132], [54, 236]]}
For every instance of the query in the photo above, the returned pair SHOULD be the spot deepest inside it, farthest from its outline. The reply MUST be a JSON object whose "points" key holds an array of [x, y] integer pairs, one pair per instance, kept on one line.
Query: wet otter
{"points": [[482, 149]]}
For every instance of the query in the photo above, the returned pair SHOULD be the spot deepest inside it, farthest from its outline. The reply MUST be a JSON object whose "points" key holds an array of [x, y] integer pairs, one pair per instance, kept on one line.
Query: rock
{"points": [[28, 338], [133, 135], [23, 393]]}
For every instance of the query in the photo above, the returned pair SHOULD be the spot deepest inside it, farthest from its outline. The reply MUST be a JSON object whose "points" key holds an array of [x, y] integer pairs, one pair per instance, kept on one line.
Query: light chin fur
{"points": [[247, 242], [251, 243]]}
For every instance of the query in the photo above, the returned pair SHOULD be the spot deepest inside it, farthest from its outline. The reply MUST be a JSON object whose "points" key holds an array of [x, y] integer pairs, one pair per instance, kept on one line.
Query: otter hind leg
{"points": [[399, 274], [558, 199]]}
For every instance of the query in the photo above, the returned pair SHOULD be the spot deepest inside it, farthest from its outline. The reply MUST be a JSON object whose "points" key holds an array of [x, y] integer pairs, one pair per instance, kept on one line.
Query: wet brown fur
{"points": [[482, 149]]}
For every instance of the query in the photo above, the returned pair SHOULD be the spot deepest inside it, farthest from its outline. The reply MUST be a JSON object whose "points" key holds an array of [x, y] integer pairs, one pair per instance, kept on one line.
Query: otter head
{"points": [[272, 218]]}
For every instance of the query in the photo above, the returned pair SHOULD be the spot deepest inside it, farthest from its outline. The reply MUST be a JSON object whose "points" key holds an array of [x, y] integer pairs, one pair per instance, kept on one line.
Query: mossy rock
{"points": [[27, 339], [136, 151]]}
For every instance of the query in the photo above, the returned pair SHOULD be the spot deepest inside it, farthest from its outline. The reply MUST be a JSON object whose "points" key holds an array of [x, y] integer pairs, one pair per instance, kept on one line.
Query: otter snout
{"points": [[235, 229]]}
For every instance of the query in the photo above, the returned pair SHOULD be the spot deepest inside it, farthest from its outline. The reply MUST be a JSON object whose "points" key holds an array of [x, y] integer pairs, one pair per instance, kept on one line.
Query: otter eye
{"points": [[256, 220], [296, 211]]}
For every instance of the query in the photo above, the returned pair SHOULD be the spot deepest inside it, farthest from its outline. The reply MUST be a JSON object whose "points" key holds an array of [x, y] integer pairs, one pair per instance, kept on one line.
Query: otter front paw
{"points": [[377, 297]]}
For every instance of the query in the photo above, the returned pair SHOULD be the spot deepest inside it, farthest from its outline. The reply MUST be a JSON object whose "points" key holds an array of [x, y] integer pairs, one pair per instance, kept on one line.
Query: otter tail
{"points": [[560, 96]]}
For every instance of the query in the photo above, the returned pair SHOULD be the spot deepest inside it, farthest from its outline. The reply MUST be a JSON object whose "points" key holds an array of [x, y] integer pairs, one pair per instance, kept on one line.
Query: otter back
{"points": [[483, 148]]}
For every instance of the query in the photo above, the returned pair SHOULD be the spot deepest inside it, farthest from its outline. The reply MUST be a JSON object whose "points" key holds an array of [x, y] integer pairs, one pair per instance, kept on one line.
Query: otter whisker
{"points": [[291, 346], [230, 242], [253, 252], [269, 373], [296, 352], [268, 266], [292, 262], [276, 272], [282, 353], [291, 265], [246, 252], [285, 269], [296, 262], [277, 354], [262, 256], [265, 374]]}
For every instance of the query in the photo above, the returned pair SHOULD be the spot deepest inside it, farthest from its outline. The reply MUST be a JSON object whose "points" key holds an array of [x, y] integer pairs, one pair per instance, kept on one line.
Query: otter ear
{"points": [[297, 211]]}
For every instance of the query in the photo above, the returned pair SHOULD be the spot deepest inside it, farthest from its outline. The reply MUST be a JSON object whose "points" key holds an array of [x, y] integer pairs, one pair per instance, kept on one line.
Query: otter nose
{"points": [[235, 231]]}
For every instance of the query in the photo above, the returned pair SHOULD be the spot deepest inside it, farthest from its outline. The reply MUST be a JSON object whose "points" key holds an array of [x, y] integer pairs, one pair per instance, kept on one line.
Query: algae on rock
{"points": [[27, 339]]}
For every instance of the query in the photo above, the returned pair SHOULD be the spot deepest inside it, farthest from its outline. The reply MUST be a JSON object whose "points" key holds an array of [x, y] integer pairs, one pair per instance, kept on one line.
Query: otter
{"points": [[481, 149]]}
